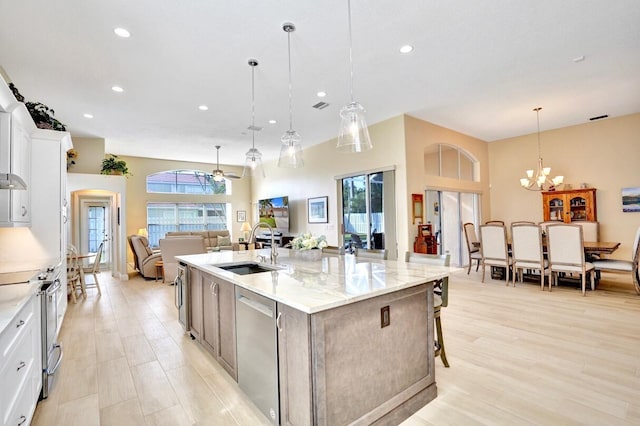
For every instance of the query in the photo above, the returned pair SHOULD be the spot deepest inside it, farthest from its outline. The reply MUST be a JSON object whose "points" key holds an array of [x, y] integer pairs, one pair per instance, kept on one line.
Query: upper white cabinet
{"points": [[15, 158]]}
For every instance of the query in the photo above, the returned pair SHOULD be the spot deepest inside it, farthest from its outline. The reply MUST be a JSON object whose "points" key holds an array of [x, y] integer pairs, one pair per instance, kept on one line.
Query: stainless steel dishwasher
{"points": [[257, 341]]}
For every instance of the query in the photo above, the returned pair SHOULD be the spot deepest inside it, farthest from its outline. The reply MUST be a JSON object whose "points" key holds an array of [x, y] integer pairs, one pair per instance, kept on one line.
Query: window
{"points": [[170, 217], [451, 162], [186, 182]]}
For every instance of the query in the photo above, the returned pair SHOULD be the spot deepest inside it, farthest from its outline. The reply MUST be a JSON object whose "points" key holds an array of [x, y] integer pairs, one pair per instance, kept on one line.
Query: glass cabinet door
{"points": [[578, 210], [556, 209]]}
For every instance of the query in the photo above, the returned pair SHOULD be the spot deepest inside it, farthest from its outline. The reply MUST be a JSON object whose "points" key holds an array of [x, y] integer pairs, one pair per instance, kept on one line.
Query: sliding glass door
{"points": [[368, 211]]}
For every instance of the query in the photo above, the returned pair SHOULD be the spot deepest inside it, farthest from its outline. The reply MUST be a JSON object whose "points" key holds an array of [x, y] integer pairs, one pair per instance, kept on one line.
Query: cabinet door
{"points": [[195, 297], [21, 166], [554, 208], [294, 366], [210, 314], [227, 327]]}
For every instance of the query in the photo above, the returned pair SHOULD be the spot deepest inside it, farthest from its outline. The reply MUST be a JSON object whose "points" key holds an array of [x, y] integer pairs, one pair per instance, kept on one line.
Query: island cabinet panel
{"points": [[219, 321], [195, 299], [209, 314], [341, 366], [294, 364]]}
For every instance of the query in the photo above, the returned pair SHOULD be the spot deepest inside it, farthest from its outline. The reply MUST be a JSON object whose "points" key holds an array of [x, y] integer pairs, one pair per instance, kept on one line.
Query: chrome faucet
{"points": [[274, 249]]}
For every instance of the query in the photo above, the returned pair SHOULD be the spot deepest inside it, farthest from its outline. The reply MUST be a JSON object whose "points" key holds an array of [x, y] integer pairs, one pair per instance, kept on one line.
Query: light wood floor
{"points": [[518, 356]]}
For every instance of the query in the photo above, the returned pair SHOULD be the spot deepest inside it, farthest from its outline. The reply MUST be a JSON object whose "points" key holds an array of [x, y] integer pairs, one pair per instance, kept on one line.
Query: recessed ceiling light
{"points": [[321, 94], [87, 115], [272, 121], [578, 58], [117, 89], [406, 48], [203, 108], [121, 32]]}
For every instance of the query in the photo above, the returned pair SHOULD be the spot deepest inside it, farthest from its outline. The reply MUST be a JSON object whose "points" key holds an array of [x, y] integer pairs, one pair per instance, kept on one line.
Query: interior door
{"points": [[95, 228]]}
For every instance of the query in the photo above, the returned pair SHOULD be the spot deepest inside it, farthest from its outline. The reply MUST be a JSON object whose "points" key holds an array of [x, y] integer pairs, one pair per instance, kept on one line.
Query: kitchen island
{"points": [[353, 337]]}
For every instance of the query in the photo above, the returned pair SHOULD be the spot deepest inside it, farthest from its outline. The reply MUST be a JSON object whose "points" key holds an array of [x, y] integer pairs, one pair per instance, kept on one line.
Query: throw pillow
{"points": [[224, 241]]}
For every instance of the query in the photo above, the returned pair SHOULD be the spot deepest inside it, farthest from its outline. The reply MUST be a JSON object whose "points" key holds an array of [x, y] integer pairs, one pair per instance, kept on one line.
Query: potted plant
{"points": [[112, 166], [41, 114]]}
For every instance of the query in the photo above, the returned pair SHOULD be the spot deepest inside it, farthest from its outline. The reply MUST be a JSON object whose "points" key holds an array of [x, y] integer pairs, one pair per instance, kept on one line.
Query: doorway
{"points": [[447, 211], [95, 227]]}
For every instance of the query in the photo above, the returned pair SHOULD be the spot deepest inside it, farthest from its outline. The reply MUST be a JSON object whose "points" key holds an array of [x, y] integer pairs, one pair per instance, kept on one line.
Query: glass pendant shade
{"points": [[253, 163], [218, 175], [354, 134], [291, 150]]}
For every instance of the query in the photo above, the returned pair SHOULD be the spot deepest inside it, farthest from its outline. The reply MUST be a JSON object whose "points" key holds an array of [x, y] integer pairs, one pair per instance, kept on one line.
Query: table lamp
{"points": [[143, 232], [246, 228]]}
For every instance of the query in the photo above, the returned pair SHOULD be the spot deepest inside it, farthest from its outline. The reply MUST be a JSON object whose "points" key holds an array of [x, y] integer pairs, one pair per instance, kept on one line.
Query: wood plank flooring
{"points": [[518, 356]]}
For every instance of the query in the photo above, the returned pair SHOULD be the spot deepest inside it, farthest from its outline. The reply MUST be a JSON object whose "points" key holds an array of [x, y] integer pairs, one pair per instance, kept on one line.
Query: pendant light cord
{"points": [[350, 48], [253, 110], [290, 100]]}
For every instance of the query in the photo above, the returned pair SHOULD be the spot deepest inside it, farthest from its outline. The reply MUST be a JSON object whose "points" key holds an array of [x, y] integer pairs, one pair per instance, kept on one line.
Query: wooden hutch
{"points": [[570, 206]]}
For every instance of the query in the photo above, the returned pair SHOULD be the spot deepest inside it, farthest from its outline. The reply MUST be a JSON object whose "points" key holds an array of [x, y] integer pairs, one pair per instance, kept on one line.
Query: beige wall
{"points": [[420, 136], [137, 197], [323, 163], [90, 155], [604, 154]]}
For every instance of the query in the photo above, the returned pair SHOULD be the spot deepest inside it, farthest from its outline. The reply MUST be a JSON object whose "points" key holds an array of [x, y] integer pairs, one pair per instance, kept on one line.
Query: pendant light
{"points": [[291, 149], [354, 134], [536, 180], [253, 160]]}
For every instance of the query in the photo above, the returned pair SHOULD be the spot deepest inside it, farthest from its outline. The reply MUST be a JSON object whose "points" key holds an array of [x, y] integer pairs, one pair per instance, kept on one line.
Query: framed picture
{"points": [[241, 215], [317, 209], [631, 199]]}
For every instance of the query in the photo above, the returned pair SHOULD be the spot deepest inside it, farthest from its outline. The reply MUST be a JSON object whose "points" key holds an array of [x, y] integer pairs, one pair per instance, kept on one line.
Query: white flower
{"points": [[308, 242]]}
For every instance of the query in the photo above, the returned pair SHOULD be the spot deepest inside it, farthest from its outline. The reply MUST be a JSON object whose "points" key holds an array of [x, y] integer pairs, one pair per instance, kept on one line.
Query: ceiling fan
{"points": [[219, 175]]}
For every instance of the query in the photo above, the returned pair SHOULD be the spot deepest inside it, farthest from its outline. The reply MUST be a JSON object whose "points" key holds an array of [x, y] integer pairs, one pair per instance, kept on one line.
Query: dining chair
{"points": [[473, 245], [333, 250], [590, 230], [527, 251], [545, 225], [91, 273], [624, 266], [494, 222], [522, 222], [495, 251], [73, 273], [565, 250], [440, 295], [372, 253]]}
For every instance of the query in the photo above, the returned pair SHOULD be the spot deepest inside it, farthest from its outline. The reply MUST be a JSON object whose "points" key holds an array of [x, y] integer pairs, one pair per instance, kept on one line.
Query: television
{"points": [[274, 212]]}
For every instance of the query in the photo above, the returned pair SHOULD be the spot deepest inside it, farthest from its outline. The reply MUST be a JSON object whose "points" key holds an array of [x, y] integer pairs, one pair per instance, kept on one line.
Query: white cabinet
{"points": [[20, 365], [15, 158]]}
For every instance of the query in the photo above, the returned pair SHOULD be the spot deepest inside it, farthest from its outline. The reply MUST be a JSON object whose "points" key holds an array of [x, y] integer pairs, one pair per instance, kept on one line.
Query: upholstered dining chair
{"points": [[565, 250], [494, 222], [544, 225], [495, 251], [590, 230], [525, 222], [440, 295], [473, 245], [527, 251], [624, 266], [91, 273], [371, 254]]}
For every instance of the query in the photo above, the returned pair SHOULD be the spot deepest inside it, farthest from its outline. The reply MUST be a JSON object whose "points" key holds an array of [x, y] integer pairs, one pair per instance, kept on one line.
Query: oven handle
{"points": [[52, 371]]}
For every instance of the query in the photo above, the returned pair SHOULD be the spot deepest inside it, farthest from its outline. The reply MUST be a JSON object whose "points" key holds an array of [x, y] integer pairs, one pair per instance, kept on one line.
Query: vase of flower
{"points": [[308, 247], [308, 255]]}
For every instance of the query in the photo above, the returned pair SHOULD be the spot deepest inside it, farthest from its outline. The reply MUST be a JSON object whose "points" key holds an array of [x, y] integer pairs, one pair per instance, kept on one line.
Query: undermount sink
{"points": [[246, 268]]}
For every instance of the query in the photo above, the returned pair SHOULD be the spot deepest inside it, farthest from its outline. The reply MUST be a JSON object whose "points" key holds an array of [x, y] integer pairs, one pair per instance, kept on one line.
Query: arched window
{"points": [[451, 162], [186, 182]]}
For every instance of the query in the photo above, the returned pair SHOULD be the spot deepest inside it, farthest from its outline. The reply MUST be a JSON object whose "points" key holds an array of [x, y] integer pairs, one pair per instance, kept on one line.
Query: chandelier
{"points": [[538, 180]]}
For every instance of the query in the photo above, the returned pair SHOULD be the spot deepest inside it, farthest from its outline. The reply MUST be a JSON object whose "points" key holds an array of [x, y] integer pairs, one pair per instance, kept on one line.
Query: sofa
{"points": [[212, 239], [143, 257], [178, 246]]}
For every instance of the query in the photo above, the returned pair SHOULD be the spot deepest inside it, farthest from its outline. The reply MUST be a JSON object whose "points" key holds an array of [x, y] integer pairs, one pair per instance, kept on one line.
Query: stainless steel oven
{"points": [[51, 349]]}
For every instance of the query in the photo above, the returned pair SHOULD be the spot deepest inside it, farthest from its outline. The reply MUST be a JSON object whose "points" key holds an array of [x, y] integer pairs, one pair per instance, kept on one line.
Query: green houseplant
{"points": [[111, 165]]}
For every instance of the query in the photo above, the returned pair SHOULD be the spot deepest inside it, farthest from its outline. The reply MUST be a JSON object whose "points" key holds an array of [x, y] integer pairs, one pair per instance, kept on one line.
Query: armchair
{"points": [[144, 258]]}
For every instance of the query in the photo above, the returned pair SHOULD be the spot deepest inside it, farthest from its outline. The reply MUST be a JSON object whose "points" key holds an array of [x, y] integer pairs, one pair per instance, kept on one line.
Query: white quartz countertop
{"points": [[314, 286], [12, 298]]}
